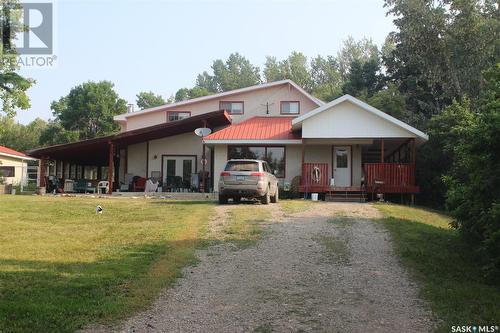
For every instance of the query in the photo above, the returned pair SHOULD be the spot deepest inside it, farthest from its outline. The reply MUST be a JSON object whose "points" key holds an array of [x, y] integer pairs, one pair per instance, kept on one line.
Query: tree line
{"points": [[438, 71]]}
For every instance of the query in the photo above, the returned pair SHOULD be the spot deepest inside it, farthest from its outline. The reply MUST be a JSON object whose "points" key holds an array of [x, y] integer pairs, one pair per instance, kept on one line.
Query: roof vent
{"points": [[130, 108]]}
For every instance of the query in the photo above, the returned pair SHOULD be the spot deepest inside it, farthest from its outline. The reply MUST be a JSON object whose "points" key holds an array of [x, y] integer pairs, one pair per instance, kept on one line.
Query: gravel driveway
{"points": [[309, 272]]}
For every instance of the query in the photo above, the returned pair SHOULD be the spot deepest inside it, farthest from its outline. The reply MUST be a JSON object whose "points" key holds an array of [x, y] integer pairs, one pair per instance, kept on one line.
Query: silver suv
{"points": [[248, 179]]}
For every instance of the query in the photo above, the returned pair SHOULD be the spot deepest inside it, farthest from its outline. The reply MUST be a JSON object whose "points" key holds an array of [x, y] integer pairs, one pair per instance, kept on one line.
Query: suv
{"points": [[248, 179]]}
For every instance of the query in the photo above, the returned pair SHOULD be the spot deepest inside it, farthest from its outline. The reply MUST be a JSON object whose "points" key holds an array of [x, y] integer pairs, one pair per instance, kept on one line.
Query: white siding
{"points": [[220, 159], [347, 120], [20, 170], [183, 144], [136, 159], [254, 105]]}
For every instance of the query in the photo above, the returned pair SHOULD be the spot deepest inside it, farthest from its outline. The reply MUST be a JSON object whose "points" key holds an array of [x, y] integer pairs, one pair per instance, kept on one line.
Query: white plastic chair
{"points": [[103, 185]]}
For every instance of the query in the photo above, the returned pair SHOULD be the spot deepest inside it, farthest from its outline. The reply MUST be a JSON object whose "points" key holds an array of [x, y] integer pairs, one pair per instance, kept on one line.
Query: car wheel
{"points": [[275, 197], [237, 199], [222, 199], [266, 198]]}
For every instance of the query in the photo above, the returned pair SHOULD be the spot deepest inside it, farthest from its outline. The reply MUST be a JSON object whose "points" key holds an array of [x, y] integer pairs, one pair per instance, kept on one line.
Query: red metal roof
{"points": [[5, 150], [258, 128]]}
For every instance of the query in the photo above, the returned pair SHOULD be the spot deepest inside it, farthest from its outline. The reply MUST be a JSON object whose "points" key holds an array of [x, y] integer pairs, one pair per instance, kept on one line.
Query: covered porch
{"points": [[103, 165], [385, 165]]}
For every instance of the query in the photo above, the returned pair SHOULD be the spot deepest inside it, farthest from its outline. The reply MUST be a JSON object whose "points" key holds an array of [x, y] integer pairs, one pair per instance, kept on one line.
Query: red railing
{"points": [[315, 176], [390, 176]]}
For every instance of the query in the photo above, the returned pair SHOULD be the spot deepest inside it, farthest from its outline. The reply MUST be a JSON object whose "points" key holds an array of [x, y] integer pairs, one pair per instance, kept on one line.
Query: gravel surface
{"points": [[328, 269]]}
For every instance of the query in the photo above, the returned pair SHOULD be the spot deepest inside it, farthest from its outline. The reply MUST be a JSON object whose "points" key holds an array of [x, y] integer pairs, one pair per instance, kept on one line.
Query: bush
{"points": [[473, 183]]}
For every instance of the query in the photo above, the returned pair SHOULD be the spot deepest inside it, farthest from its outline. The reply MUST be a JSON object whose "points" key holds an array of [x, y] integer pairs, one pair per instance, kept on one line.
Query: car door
{"points": [[272, 177]]}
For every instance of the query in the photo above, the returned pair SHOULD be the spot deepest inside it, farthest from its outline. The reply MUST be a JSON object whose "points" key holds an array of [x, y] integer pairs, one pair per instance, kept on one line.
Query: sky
{"points": [[161, 46]]}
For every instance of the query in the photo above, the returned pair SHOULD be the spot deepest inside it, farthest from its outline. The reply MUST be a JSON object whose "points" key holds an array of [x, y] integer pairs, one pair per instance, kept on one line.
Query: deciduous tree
{"points": [[89, 109]]}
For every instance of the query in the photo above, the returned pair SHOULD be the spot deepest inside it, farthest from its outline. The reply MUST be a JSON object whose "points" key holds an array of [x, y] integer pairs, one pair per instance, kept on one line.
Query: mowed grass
{"points": [[63, 267], [292, 206], [245, 224], [444, 264]]}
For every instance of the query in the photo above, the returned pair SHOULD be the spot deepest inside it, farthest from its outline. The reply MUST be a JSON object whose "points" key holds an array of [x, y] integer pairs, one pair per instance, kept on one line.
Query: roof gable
{"points": [[124, 116], [297, 122]]}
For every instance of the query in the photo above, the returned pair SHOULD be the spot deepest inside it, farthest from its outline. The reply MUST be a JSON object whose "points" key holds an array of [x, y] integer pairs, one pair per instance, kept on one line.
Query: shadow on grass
{"points": [[450, 276], [181, 202], [43, 296]]}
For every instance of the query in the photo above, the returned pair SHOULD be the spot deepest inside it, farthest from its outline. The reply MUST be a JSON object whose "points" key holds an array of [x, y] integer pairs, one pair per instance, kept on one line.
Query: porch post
{"points": [[382, 151], [303, 152], [413, 151], [43, 163], [110, 167]]}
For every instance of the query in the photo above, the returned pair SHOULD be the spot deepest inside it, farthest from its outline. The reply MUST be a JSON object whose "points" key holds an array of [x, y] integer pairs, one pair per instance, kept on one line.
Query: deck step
{"points": [[346, 197]]}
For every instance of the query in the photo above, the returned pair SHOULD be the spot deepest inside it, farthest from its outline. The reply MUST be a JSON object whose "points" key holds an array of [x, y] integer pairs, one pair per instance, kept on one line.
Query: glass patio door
{"points": [[177, 171]]}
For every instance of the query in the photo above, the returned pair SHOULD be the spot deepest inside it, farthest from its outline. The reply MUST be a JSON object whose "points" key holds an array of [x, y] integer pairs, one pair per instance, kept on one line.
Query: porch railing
{"points": [[314, 176], [390, 174]]}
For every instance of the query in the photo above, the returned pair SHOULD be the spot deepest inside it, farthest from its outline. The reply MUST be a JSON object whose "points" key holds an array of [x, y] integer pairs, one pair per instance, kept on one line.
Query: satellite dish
{"points": [[202, 131]]}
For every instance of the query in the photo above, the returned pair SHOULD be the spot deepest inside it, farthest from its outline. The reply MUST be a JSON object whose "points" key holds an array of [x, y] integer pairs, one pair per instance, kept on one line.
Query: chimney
{"points": [[130, 108]]}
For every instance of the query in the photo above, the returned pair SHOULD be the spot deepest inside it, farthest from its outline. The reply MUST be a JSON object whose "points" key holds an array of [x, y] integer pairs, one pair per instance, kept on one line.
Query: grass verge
{"points": [[63, 267], [442, 262]]}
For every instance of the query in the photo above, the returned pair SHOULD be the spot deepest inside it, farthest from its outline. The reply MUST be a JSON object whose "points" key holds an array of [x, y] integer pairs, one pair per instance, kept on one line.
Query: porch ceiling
{"points": [[95, 151]]}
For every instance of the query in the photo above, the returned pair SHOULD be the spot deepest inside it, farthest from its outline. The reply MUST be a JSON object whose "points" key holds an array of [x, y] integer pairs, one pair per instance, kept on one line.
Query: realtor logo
{"points": [[37, 19]]}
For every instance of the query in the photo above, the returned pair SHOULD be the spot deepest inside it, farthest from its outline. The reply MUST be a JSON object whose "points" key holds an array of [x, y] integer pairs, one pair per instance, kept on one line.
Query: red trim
{"points": [[229, 111], [175, 112], [288, 113], [10, 151]]}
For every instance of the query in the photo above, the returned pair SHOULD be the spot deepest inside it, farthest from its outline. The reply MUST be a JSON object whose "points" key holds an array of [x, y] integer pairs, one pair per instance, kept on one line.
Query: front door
{"points": [[342, 166], [177, 171]]}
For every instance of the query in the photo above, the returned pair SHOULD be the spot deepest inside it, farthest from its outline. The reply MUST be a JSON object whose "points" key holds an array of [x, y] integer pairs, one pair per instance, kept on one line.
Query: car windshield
{"points": [[242, 166]]}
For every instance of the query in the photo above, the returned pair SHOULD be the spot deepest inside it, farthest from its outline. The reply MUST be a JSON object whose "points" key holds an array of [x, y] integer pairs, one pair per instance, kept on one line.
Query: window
{"points": [[274, 156], [72, 173], [290, 107], [177, 115], [342, 158], [241, 166], [7, 171], [187, 167], [90, 172], [232, 107]]}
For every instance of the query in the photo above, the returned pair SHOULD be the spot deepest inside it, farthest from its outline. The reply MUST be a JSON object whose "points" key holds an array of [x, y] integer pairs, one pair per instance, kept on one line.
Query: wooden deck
{"points": [[379, 178]]}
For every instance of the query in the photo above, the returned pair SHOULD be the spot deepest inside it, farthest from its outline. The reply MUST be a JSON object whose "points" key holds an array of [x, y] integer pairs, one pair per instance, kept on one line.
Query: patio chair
{"points": [[103, 185], [139, 184], [84, 186]]}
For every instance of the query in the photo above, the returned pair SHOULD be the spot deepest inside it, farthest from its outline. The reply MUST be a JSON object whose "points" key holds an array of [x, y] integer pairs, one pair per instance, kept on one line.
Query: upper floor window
{"points": [[232, 107], [177, 115], [290, 107]]}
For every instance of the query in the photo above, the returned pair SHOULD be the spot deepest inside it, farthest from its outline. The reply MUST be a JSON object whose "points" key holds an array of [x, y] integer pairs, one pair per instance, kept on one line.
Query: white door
{"points": [[177, 170], [342, 166]]}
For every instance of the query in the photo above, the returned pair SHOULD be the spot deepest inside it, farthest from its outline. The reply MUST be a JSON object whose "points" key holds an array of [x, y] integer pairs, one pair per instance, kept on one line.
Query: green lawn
{"points": [[449, 276], [63, 267], [297, 205]]}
